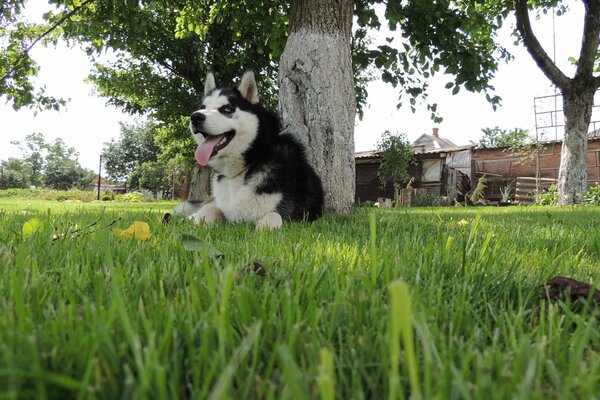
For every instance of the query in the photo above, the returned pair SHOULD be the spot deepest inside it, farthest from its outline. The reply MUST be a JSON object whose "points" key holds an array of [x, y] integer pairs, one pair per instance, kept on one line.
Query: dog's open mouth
{"points": [[212, 145]]}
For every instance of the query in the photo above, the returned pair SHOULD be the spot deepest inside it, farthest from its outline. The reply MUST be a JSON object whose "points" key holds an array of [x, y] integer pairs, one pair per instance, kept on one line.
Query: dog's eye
{"points": [[227, 109], [202, 107]]}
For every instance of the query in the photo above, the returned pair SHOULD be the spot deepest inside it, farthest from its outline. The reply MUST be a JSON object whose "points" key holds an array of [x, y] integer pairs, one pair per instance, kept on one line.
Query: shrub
{"points": [[107, 196], [425, 200], [592, 196], [548, 198], [131, 197]]}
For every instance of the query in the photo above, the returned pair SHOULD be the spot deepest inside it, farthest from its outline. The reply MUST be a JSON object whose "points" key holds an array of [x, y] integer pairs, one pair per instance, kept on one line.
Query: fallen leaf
{"points": [[30, 227], [192, 243], [575, 289], [138, 230]]}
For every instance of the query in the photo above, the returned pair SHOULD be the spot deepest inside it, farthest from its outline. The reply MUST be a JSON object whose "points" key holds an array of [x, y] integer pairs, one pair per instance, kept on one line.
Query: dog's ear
{"points": [[209, 83], [248, 88]]}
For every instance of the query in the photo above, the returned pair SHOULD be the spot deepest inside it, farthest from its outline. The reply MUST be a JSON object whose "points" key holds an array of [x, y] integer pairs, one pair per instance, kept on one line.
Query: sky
{"points": [[86, 123]]}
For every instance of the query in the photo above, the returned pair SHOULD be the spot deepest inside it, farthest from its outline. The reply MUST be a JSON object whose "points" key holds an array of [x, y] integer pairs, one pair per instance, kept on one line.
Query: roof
{"points": [[431, 142]]}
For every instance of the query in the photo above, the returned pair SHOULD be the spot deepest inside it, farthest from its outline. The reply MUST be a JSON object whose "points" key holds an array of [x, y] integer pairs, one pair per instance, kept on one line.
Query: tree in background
{"points": [[33, 150], [52, 165], [134, 146], [14, 173], [496, 137], [396, 155], [62, 171]]}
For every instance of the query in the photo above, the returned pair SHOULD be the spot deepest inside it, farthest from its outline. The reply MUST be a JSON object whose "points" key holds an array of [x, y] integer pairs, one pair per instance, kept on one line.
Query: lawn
{"points": [[430, 302]]}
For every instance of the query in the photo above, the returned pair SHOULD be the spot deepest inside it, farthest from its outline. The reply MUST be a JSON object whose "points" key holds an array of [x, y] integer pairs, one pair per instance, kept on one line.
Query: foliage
{"points": [[425, 200], [161, 321], [134, 146], [48, 194], [165, 48], [478, 194], [62, 171], [17, 68], [396, 155], [506, 191], [496, 137], [33, 150], [592, 196], [151, 176], [53, 165], [14, 173], [131, 197], [548, 198]]}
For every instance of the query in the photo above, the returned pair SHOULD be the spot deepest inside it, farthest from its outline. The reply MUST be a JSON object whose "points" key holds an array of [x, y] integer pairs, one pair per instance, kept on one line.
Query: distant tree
{"points": [[33, 150], [62, 169], [396, 156], [153, 176], [134, 147], [14, 173], [496, 137]]}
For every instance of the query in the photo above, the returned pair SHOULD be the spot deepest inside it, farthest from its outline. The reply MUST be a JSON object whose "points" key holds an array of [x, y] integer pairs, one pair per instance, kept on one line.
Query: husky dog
{"points": [[258, 175]]}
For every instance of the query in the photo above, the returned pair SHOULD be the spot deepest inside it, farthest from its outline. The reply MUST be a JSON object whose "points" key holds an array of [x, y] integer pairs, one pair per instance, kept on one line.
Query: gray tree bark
{"points": [[572, 175], [200, 184], [316, 93]]}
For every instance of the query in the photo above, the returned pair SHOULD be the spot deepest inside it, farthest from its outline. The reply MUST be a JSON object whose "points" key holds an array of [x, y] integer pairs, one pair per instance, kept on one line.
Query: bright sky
{"points": [[87, 122]]}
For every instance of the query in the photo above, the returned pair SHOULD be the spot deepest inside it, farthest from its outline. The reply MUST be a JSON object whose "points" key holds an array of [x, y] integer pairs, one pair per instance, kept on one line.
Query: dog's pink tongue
{"points": [[204, 151]]}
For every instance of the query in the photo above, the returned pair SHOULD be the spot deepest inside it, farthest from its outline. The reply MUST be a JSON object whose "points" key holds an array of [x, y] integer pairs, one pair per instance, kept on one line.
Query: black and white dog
{"points": [[258, 175]]}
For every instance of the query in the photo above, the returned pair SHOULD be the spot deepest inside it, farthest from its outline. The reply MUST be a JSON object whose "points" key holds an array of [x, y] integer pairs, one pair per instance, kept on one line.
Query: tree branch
{"points": [[535, 49], [591, 40], [25, 53]]}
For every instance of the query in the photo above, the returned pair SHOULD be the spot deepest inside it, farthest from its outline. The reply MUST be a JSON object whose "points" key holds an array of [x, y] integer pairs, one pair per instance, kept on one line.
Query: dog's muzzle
{"points": [[197, 118]]}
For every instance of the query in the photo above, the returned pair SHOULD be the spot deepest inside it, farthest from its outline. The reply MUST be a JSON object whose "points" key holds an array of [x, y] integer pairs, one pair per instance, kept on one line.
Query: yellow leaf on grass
{"points": [[138, 230], [31, 226]]}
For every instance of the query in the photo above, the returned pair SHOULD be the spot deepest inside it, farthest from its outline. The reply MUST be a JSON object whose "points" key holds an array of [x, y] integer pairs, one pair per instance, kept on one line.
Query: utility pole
{"points": [[99, 172]]}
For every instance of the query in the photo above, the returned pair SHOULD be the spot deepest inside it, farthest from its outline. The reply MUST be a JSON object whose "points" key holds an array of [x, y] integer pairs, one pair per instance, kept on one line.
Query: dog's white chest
{"points": [[239, 201]]}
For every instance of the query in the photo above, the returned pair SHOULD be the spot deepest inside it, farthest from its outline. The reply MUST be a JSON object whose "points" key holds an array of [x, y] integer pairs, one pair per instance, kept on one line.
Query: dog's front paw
{"points": [[270, 221], [209, 214]]}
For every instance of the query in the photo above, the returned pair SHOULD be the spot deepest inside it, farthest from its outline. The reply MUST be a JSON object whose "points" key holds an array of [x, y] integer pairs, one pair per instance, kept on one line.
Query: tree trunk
{"points": [[200, 184], [578, 101], [316, 93]]}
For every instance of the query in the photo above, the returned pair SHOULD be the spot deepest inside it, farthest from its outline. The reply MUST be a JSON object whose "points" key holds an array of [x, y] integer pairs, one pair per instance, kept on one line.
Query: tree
{"points": [[496, 137], [62, 170], [33, 150], [396, 155], [577, 93], [134, 147], [14, 173], [316, 93]]}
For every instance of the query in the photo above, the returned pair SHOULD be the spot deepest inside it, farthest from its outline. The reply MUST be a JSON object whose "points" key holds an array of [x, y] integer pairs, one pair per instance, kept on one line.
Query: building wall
{"points": [[498, 162]]}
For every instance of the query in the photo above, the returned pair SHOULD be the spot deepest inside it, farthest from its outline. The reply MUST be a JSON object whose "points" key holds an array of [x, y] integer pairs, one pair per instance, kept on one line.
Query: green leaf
{"points": [[192, 243], [30, 227]]}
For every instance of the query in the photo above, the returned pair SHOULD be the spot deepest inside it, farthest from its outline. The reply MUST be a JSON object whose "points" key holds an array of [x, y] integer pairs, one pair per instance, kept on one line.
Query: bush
{"points": [[107, 196], [548, 198], [425, 200], [131, 197], [592, 196], [49, 194]]}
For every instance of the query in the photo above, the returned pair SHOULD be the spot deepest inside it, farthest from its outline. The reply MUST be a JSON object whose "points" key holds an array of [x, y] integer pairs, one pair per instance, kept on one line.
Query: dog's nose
{"points": [[197, 118]]}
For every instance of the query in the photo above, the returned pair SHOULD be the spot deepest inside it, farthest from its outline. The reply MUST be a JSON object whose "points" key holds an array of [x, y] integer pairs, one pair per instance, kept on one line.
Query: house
{"points": [[440, 163]]}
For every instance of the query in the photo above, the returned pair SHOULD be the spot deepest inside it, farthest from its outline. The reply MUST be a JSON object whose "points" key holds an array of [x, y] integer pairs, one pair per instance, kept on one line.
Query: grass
{"points": [[407, 303]]}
